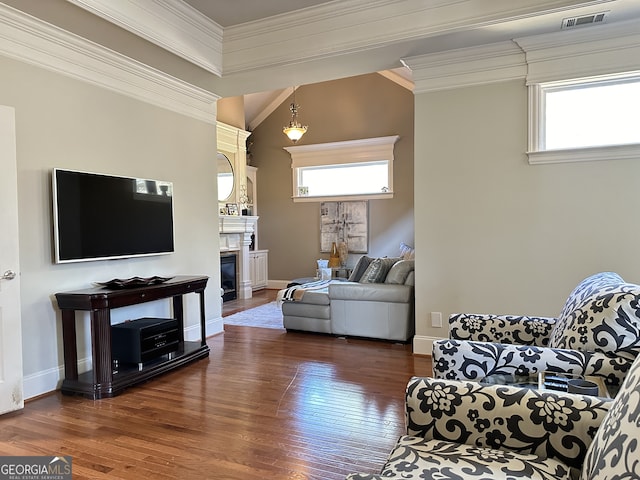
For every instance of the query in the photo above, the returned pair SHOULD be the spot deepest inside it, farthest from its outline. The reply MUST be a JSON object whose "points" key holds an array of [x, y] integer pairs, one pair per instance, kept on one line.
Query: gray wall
{"points": [[61, 122], [353, 108], [497, 235]]}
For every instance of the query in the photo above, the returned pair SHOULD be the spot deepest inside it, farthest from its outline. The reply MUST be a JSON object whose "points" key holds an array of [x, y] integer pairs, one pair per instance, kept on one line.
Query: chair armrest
{"points": [[455, 359], [550, 424], [373, 292], [518, 329]]}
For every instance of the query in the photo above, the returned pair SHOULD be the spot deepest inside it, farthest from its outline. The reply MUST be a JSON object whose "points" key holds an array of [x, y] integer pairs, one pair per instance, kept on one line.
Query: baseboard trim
{"points": [[277, 284]]}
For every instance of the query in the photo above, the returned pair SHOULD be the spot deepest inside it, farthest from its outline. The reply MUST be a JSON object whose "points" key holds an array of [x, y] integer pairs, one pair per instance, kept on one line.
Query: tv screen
{"points": [[99, 217]]}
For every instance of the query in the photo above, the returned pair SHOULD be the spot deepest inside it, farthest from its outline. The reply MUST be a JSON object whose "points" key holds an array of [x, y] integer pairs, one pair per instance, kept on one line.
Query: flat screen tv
{"points": [[100, 217]]}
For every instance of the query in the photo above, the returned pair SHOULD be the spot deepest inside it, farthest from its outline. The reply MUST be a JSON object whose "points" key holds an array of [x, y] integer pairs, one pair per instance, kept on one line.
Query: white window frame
{"points": [[342, 153], [537, 152]]}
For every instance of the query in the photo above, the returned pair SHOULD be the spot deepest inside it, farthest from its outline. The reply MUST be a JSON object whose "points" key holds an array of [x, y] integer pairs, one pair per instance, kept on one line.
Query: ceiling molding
{"points": [[343, 27], [170, 24], [33, 41], [230, 138], [463, 67], [589, 51], [401, 80]]}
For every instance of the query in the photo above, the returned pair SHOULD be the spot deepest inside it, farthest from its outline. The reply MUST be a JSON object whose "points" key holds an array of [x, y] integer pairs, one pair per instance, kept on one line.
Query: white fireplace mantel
{"points": [[235, 235], [237, 224]]}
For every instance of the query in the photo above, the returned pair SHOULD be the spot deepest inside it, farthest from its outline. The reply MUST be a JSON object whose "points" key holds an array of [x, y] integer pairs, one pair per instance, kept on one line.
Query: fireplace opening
{"points": [[228, 275]]}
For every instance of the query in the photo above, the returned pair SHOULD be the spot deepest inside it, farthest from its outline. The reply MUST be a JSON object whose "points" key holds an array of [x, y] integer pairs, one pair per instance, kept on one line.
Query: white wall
{"points": [[62, 122], [497, 235]]}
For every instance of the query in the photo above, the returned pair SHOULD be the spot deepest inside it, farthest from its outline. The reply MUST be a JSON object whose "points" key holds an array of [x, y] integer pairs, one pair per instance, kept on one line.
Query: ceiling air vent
{"points": [[592, 19]]}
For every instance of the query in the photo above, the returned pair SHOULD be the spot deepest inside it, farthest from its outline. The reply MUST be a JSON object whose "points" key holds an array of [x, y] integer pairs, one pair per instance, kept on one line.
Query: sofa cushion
{"points": [[381, 292], [360, 268], [601, 314], [377, 270], [400, 271]]}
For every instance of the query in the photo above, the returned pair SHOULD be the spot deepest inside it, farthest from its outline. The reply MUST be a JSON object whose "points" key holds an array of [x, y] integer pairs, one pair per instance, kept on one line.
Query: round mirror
{"points": [[225, 177]]}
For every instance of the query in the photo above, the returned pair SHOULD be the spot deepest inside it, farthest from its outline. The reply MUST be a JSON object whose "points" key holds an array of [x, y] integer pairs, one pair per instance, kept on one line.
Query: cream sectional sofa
{"points": [[376, 302]]}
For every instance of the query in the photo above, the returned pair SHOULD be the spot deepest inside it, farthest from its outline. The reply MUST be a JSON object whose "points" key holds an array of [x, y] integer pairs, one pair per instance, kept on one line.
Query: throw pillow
{"points": [[377, 270], [407, 252], [399, 272], [601, 314], [360, 268]]}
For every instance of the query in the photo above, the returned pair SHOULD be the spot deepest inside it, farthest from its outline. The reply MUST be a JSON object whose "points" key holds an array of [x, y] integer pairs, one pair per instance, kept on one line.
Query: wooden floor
{"points": [[266, 404], [260, 297]]}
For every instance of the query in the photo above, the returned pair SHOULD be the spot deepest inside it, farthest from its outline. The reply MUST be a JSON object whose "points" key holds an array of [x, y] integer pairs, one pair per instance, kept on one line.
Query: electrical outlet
{"points": [[436, 319]]}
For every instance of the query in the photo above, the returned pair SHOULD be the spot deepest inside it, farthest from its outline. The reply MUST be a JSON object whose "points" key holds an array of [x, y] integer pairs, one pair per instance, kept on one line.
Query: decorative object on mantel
{"points": [[344, 222], [243, 199], [294, 130], [232, 209]]}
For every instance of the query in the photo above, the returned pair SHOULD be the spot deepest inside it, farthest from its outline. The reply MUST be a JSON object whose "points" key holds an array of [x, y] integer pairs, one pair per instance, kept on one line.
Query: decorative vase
{"points": [[343, 253], [334, 256]]}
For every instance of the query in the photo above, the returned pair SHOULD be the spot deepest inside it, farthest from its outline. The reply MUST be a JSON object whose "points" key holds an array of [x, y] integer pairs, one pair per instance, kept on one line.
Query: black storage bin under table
{"points": [[141, 340]]}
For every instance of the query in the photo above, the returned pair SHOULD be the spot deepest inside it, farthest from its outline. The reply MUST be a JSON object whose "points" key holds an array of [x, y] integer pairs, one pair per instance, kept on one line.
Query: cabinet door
{"points": [[252, 270], [258, 269], [261, 269]]}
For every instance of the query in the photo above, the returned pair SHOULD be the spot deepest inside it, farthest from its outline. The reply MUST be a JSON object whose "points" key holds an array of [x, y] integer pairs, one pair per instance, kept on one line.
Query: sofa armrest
{"points": [[461, 359], [519, 329], [373, 292], [550, 424]]}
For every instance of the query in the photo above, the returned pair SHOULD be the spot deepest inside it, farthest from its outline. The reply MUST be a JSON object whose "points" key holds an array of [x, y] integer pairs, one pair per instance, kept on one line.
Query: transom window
{"points": [[585, 119], [343, 170]]}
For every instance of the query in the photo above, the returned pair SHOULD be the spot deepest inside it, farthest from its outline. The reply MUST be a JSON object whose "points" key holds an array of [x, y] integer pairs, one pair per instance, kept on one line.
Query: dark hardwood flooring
{"points": [[260, 297], [266, 404]]}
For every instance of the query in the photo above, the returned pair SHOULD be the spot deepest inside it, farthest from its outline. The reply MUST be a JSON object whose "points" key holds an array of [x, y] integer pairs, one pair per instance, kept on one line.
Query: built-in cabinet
{"points": [[258, 270]]}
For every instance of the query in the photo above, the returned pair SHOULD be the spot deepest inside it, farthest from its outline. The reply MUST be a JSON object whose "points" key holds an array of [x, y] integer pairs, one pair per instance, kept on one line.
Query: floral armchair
{"points": [[597, 333], [463, 430]]}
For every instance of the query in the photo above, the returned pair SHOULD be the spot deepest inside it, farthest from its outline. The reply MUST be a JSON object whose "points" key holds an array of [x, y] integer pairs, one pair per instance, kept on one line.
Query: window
{"points": [[348, 179], [360, 169], [585, 119]]}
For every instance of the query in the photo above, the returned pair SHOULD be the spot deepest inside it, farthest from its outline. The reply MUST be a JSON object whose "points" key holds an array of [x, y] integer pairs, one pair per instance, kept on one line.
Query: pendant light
{"points": [[294, 130]]}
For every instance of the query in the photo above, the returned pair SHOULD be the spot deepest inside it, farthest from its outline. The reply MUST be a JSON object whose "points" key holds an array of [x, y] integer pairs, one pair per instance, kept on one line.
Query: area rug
{"points": [[264, 316]]}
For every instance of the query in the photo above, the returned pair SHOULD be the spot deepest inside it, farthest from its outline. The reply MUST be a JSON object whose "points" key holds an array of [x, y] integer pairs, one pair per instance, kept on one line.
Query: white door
{"points": [[10, 322]]}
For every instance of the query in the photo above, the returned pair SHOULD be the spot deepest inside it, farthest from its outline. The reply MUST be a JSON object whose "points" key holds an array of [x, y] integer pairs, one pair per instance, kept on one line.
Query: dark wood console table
{"points": [[102, 381]]}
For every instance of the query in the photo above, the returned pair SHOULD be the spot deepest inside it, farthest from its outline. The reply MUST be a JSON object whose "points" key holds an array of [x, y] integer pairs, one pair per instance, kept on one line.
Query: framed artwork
{"points": [[344, 222], [232, 209]]}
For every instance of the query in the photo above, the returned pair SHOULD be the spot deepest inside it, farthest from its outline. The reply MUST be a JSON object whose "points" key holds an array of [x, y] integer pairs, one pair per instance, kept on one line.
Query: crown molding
{"points": [[171, 24], [397, 78], [463, 67], [341, 27], [29, 40], [589, 51], [231, 138]]}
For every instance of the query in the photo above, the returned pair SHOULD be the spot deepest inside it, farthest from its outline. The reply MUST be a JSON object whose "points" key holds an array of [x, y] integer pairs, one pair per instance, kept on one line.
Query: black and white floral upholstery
{"points": [[597, 333], [464, 430]]}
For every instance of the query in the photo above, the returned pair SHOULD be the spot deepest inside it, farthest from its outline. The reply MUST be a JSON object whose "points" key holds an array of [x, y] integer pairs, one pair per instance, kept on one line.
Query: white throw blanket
{"points": [[296, 292]]}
